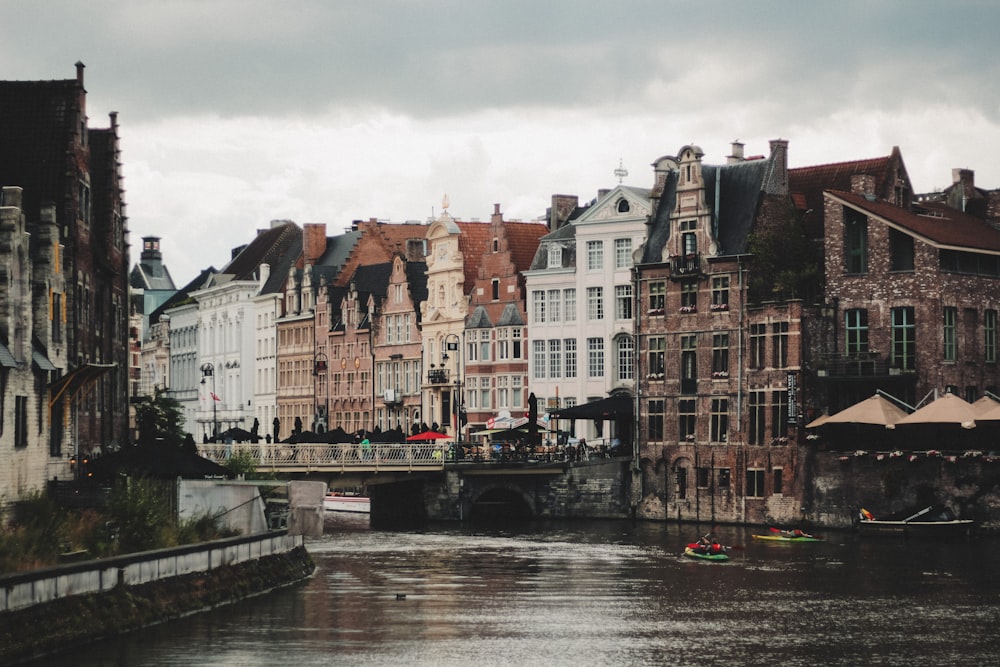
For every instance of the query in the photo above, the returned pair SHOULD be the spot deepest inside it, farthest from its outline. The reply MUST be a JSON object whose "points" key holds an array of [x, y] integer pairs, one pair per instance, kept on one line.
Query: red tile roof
{"points": [[937, 223], [473, 239], [806, 184], [522, 239]]}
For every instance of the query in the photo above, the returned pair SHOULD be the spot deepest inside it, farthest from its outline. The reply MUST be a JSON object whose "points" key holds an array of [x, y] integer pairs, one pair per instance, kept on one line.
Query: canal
{"points": [[597, 593]]}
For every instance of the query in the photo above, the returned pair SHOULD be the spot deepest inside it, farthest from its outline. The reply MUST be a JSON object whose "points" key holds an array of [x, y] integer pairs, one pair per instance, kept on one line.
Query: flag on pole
{"points": [[214, 396]]}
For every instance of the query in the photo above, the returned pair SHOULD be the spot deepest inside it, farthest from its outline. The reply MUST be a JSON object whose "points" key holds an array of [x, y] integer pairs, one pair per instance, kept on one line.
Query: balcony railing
{"points": [[682, 265], [869, 364], [438, 376]]}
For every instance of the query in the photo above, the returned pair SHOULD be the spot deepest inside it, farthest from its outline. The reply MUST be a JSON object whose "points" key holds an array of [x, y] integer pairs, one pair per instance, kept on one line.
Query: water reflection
{"points": [[597, 593]]}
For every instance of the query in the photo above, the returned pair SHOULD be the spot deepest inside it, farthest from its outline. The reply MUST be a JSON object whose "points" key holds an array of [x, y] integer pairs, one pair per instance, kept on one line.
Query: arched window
{"points": [[623, 206]]}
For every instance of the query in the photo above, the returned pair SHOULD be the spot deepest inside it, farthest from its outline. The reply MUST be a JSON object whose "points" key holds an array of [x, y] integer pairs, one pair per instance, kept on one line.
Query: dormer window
{"points": [[555, 256], [496, 245], [623, 206], [689, 240]]}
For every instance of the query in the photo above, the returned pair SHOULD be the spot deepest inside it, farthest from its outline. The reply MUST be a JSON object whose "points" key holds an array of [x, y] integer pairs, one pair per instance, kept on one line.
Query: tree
{"points": [[786, 263], [160, 421]]}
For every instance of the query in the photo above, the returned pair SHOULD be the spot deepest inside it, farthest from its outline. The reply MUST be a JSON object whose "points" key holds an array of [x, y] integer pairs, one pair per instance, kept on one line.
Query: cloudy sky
{"points": [[233, 113]]}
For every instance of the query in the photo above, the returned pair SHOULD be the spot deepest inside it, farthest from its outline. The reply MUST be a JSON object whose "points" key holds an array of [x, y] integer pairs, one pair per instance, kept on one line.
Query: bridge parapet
{"points": [[325, 457]]}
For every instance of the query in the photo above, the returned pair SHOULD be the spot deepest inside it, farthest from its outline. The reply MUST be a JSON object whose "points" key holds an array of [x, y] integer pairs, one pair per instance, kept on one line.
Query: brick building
{"points": [[50, 151]]}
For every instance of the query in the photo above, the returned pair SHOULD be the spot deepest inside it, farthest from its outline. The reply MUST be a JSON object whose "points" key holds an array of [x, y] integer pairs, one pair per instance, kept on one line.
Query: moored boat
{"points": [[335, 502], [930, 522]]}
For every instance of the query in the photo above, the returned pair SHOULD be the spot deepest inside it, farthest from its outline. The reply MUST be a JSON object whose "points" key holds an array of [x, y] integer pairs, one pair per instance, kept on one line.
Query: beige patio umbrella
{"points": [[819, 421], [986, 404], [991, 415], [948, 409], [875, 410]]}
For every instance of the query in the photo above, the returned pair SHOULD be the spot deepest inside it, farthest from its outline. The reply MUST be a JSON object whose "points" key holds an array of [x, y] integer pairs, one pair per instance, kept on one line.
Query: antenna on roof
{"points": [[621, 172]]}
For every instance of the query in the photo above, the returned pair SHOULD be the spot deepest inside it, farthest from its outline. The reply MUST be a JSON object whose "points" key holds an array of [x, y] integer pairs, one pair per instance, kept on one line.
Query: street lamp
{"points": [[208, 370], [320, 366], [458, 403]]}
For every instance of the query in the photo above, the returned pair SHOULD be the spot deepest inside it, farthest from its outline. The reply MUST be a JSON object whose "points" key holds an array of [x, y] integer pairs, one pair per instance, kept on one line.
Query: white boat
{"points": [[335, 502]]}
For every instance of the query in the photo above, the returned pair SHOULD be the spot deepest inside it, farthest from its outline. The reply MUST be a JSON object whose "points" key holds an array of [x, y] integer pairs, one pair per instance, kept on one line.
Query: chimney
{"points": [[736, 153], [497, 215], [313, 242], [562, 208], [79, 72], [602, 193], [265, 273], [777, 178]]}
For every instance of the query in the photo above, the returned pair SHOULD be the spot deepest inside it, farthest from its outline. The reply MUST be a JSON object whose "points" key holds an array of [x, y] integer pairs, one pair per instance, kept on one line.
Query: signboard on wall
{"points": [[793, 406]]}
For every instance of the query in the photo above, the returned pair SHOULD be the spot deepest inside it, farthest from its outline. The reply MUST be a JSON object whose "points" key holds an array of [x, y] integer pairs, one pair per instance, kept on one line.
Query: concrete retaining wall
{"points": [[24, 589]]}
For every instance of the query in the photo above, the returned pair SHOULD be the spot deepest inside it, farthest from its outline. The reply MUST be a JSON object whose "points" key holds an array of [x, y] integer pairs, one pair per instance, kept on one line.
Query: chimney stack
{"points": [[736, 154]]}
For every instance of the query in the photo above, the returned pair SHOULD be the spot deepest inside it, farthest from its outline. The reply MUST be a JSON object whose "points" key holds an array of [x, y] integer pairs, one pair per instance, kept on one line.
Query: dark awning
{"points": [[76, 380], [608, 409]]}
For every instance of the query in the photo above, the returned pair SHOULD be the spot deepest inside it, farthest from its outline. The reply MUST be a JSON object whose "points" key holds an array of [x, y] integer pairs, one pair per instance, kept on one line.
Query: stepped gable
{"points": [[37, 122], [473, 240], [378, 243], [936, 223]]}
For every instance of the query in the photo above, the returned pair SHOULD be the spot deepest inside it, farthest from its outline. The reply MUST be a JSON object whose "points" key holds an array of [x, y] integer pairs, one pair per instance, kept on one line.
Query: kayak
{"points": [[786, 538], [695, 552]]}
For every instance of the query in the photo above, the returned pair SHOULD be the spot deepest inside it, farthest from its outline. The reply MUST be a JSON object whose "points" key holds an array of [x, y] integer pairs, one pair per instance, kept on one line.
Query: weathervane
{"points": [[621, 172]]}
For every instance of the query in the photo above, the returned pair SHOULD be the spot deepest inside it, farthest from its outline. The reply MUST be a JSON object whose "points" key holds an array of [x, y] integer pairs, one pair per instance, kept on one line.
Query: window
{"points": [[595, 303], [623, 206], [757, 340], [569, 345], [689, 296], [655, 355], [623, 253], [657, 296], [720, 355], [555, 256], [855, 242], [495, 289], [780, 344], [778, 481], [538, 306], [516, 339], [900, 251], [856, 330], [595, 357], [655, 420], [724, 478], [56, 313], [484, 344], [20, 421], [904, 339], [623, 302], [755, 483], [779, 415], [569, 305], [685, 419], [595, 255], [538, 359], [950, 325], [704, 475], [681, 477], [625, 355], [503, 344], [555, 358], [758, 412], [553, 303], [720, 419], [720, 293], [503, 391], [990, 336], [689, 241], [689, 364]]}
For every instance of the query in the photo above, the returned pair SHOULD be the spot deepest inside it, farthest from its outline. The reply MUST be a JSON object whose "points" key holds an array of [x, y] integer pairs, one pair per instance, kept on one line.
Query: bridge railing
{"points": [[307, 456]]}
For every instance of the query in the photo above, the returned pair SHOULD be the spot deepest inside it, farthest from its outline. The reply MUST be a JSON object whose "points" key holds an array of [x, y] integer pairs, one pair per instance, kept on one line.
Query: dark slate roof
{"points": [[151, 276], [739, 196], [372, 280], [566, 234], [183, 294], [277, 246], [479, 319], [416, 276], [936, 223], [37, 123], [511, 317], [739, 187], [658, 231]]}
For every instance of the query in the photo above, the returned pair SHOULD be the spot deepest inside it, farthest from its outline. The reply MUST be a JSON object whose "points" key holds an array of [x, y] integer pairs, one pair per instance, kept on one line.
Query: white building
{"points": [[580, 306]]}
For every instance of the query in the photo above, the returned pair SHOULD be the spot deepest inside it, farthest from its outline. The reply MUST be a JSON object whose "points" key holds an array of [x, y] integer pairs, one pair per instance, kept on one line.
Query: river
{"points": [[597, 593]]}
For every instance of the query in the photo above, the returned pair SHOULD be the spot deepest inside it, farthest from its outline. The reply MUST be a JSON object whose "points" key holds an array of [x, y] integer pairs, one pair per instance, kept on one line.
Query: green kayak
{"points": [[697, 553], [786, 538]]}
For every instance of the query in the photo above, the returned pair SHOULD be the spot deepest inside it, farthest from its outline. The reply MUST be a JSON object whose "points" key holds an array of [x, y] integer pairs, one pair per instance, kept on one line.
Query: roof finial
{"points": [[445, 203], [621, 172]]}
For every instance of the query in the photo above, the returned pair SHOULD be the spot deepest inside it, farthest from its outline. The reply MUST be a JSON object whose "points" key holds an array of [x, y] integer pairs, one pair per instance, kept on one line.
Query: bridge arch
{"points": [[502, 501]]}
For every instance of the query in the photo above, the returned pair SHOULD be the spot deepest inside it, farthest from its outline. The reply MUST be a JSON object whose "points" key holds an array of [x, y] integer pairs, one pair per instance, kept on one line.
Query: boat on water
{"points": [[935, 521], [778, 535], [338, 502], [714, 552]]}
